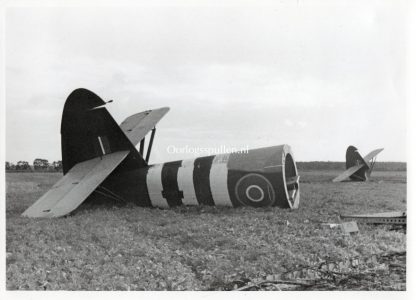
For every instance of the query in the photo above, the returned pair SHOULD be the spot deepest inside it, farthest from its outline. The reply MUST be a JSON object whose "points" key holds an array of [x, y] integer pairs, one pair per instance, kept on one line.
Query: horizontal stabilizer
{"points": [[343, 176], [372, 154], [80, 181], [138, 125]]}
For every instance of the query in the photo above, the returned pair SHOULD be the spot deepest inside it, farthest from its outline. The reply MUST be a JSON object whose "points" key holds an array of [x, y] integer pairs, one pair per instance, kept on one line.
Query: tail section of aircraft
{"points": [[99, 157], [93, 147], [358, 168]]}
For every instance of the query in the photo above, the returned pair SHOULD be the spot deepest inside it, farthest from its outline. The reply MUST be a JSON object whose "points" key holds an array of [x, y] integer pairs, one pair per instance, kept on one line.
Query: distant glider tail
{"points": [[353, 157], [358, 168]]}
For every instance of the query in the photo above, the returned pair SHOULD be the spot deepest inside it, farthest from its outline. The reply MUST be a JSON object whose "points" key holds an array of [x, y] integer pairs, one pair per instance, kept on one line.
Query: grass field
{"points": [[201, 248]]}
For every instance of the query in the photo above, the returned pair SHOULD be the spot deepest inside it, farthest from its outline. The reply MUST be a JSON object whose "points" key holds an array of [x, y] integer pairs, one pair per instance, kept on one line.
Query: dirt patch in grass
{"points": [[197, 248]]}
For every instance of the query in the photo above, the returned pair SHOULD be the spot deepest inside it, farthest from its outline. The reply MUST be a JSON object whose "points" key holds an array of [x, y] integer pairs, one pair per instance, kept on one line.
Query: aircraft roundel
{"points": [[254, 190]]}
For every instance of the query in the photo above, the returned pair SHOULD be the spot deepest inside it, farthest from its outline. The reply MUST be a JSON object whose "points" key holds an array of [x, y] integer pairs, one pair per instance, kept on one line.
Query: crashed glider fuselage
{"points": [[100, 158]]}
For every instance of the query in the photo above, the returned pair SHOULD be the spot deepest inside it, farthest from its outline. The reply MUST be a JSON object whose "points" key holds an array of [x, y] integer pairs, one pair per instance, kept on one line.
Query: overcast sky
{"points": [[317, 76]]}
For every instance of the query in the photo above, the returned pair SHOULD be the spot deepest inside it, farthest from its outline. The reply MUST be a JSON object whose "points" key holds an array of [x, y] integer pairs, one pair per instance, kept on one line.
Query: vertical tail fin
{"points": [[353, 158], [88, 131]]}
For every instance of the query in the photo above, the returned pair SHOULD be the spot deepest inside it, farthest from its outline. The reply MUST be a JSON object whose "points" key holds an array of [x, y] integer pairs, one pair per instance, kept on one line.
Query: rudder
{"points": [[88, 131], [353, 158]]}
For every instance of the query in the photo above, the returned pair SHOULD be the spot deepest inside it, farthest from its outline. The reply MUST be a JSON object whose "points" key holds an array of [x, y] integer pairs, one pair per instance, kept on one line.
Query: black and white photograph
{"points": [[215, 146]]}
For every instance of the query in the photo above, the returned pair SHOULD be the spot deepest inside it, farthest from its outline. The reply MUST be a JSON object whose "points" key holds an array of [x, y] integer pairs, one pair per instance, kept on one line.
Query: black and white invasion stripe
{"points": [[254, 179], [200, 181]]}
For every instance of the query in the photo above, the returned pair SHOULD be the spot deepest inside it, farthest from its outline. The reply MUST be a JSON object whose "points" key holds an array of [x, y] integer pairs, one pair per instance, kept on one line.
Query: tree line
{"points": [[39, 164], [338, 165]]}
